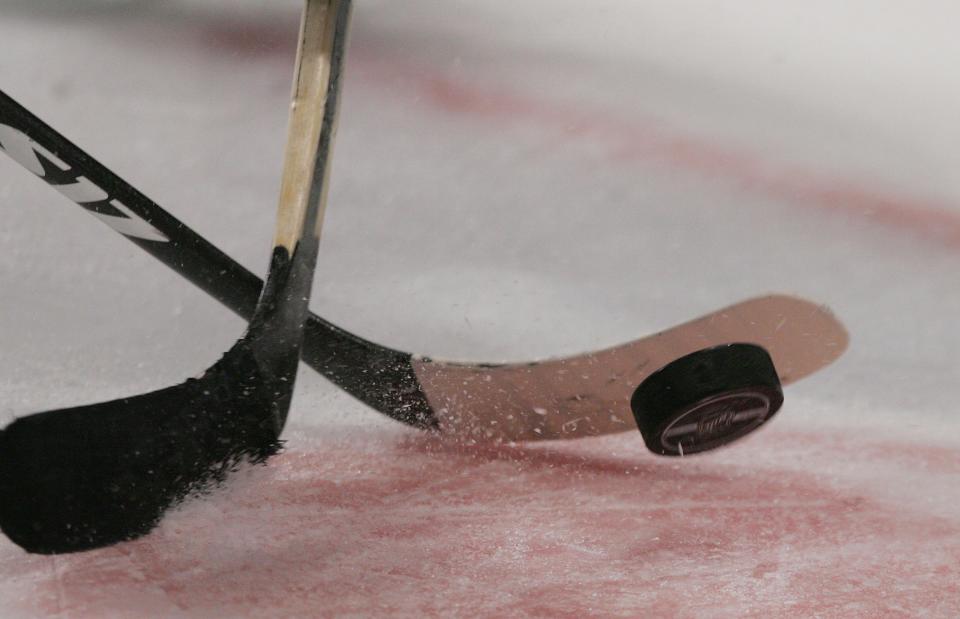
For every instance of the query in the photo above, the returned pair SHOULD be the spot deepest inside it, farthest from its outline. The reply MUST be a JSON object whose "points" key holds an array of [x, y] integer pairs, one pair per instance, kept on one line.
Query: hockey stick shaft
{"points": [[380, 377]]}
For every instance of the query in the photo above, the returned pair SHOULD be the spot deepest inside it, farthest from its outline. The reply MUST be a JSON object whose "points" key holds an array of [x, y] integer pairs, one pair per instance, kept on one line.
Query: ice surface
{"points": [[515, 180]]}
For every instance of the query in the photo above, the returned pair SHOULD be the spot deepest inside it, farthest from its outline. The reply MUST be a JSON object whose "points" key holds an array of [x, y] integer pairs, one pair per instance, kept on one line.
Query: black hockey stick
{"points": [[382, 378], [86, 477], [570, 397]]}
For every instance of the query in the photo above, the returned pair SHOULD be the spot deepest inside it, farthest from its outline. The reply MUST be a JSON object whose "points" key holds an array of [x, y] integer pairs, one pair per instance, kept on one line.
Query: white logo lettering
{"points": [[82, 191], [131, 225], [24, 151]]}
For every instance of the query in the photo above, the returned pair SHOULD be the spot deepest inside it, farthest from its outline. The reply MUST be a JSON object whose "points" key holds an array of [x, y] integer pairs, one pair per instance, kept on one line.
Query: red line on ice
{"points": [[628, 139], [374, 524], [631, 140]]}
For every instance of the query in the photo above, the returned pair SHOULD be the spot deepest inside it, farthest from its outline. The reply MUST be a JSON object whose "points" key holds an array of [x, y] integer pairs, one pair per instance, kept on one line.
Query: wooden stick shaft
{"points": [[303, 173]]}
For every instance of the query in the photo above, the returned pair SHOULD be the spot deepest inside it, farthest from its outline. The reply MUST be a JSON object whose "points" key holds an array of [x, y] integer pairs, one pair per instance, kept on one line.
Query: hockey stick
{"points": [[576, 396], [86, 477]]}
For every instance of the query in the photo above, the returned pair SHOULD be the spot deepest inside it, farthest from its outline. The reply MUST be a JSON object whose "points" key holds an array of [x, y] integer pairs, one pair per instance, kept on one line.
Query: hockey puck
{"points": [[707, 399]]}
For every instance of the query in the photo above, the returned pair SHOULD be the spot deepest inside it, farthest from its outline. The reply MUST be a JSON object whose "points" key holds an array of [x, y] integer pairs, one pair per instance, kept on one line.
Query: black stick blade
{"points": [[81, 478]]}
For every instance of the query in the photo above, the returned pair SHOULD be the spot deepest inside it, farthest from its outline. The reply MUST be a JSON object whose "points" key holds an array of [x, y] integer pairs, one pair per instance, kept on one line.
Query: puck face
{"points": [[715, 421]]}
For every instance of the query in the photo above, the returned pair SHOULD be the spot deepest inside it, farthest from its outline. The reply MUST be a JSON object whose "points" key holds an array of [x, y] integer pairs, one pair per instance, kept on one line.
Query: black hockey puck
{"points": [[707, 399]]}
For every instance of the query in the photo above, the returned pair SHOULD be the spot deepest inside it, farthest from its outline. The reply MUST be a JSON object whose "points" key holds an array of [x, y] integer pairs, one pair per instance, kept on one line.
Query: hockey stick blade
{"points": [[86, 477]]}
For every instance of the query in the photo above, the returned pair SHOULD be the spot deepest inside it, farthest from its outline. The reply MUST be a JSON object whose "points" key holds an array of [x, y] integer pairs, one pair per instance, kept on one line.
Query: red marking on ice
{"points": [[627, 140], [387, 526], [253, 38], [933, 459], [631, 140]]}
